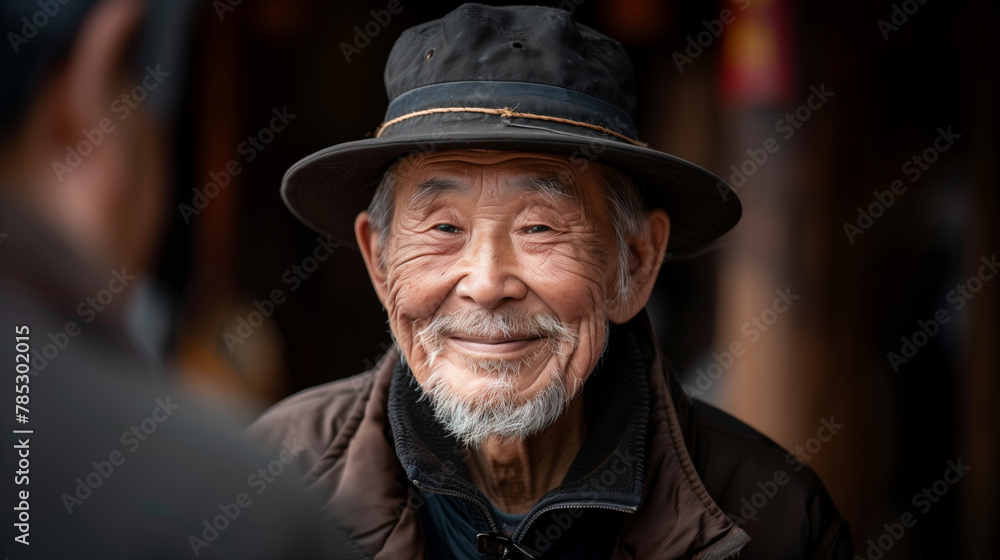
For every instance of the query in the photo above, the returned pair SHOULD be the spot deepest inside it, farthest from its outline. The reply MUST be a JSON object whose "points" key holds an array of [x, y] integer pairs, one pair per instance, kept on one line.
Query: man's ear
{"points": [[74, 109], [368, 242], [92, 72], [647, 253]]}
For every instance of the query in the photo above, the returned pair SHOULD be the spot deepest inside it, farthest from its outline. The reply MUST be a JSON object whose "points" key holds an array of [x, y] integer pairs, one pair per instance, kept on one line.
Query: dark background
{"points": [[827, 356]]}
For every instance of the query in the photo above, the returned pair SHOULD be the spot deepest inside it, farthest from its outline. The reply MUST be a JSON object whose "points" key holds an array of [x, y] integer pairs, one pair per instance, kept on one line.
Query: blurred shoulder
{"points": [[311, 420]]}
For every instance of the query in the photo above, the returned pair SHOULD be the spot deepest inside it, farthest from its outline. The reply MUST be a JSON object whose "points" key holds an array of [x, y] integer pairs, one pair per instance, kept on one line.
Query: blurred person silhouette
{"points": [[104, 457]]}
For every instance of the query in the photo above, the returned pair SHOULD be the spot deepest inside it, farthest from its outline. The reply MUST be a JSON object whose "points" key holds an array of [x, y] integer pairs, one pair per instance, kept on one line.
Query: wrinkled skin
{"points": [[489, 241]]}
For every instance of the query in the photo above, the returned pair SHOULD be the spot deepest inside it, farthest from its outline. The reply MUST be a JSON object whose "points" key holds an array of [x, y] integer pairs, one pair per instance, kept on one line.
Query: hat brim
{"points": [[328, 189]]}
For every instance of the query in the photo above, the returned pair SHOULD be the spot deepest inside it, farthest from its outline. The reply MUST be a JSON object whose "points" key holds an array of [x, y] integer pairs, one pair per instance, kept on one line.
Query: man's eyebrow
{"points": [[552, 187], [427, 191]]}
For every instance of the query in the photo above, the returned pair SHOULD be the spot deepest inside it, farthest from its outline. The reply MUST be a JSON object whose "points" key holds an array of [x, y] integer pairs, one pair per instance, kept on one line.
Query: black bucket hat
{"points": [[509, 78]]}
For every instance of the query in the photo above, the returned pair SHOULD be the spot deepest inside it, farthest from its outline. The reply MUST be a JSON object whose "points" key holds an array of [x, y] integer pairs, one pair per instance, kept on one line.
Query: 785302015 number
{"points": [[22, 357]]}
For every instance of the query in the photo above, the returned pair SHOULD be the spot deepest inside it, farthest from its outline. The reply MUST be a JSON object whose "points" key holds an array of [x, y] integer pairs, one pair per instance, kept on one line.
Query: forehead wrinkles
{"points": [[556, 181]]}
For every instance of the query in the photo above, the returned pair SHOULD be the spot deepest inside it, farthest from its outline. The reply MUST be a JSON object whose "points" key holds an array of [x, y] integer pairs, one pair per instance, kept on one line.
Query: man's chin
{"points": [[517, 379], [496, 408]]}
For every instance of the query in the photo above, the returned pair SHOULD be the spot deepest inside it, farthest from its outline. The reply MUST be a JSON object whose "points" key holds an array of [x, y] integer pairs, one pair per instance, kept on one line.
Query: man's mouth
{"points": [[495, 347]]}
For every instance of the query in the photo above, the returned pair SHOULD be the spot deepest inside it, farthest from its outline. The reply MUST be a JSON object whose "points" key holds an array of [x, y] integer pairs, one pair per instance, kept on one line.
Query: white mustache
{"points": [[507, 324]]}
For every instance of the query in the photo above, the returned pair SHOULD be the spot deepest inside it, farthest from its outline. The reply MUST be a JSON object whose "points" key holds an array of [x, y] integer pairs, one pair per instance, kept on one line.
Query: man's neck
{"points": [[514, 475]]}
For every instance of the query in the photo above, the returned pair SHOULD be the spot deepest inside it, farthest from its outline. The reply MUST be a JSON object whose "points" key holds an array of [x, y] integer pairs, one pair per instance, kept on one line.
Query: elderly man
{"points": [[514, 230]]}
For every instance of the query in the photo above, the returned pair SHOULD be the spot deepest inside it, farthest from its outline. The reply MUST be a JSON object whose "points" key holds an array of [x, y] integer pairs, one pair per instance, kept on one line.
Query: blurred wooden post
{"points": [[799, 369]]}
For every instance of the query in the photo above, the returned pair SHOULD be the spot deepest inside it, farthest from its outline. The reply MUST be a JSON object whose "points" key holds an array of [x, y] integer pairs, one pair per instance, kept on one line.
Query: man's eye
{"points": [[538, 229], [447, 228]]}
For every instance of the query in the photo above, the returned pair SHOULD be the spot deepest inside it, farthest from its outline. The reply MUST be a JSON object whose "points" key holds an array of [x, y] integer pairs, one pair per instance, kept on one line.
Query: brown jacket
{"points": [[700, 465]]}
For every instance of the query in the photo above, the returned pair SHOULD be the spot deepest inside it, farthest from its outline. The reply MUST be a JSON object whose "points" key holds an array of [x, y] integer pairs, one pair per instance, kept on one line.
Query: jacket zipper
{"points": [[524, 529], [516, 537], [494, 532], [482, 506]]}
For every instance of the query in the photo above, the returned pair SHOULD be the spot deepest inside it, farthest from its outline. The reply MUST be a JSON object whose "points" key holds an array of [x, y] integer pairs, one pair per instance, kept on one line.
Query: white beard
{"points": [[497, 410]]}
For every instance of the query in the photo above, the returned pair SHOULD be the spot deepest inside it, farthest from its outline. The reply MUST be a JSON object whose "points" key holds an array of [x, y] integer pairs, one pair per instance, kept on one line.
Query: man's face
{"points": [[498, 268]]}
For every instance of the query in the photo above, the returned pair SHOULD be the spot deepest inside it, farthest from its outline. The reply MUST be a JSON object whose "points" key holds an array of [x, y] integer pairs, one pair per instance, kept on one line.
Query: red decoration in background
{"points": [[757, 67], [633, 22]]}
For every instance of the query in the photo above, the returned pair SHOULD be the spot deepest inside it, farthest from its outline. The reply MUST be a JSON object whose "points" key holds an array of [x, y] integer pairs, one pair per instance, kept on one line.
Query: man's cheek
{"points": [[572, 293], [593, 332], [417, 288]]}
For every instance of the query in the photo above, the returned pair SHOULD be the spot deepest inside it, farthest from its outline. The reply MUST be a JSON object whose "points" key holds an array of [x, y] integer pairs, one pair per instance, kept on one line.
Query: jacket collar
{"points": [[679, 518]]}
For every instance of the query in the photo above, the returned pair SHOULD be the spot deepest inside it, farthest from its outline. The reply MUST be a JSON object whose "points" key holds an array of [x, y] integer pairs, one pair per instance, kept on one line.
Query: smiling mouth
{"points": [[495, 348]]}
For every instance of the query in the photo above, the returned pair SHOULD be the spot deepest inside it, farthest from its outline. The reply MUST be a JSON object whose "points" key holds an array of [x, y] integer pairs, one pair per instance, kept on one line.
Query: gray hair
{"points": [[626, 211]]}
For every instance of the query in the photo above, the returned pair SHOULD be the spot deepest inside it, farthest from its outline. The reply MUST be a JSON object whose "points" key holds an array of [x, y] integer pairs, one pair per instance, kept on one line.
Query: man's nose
{"points": [[492, 270]]}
